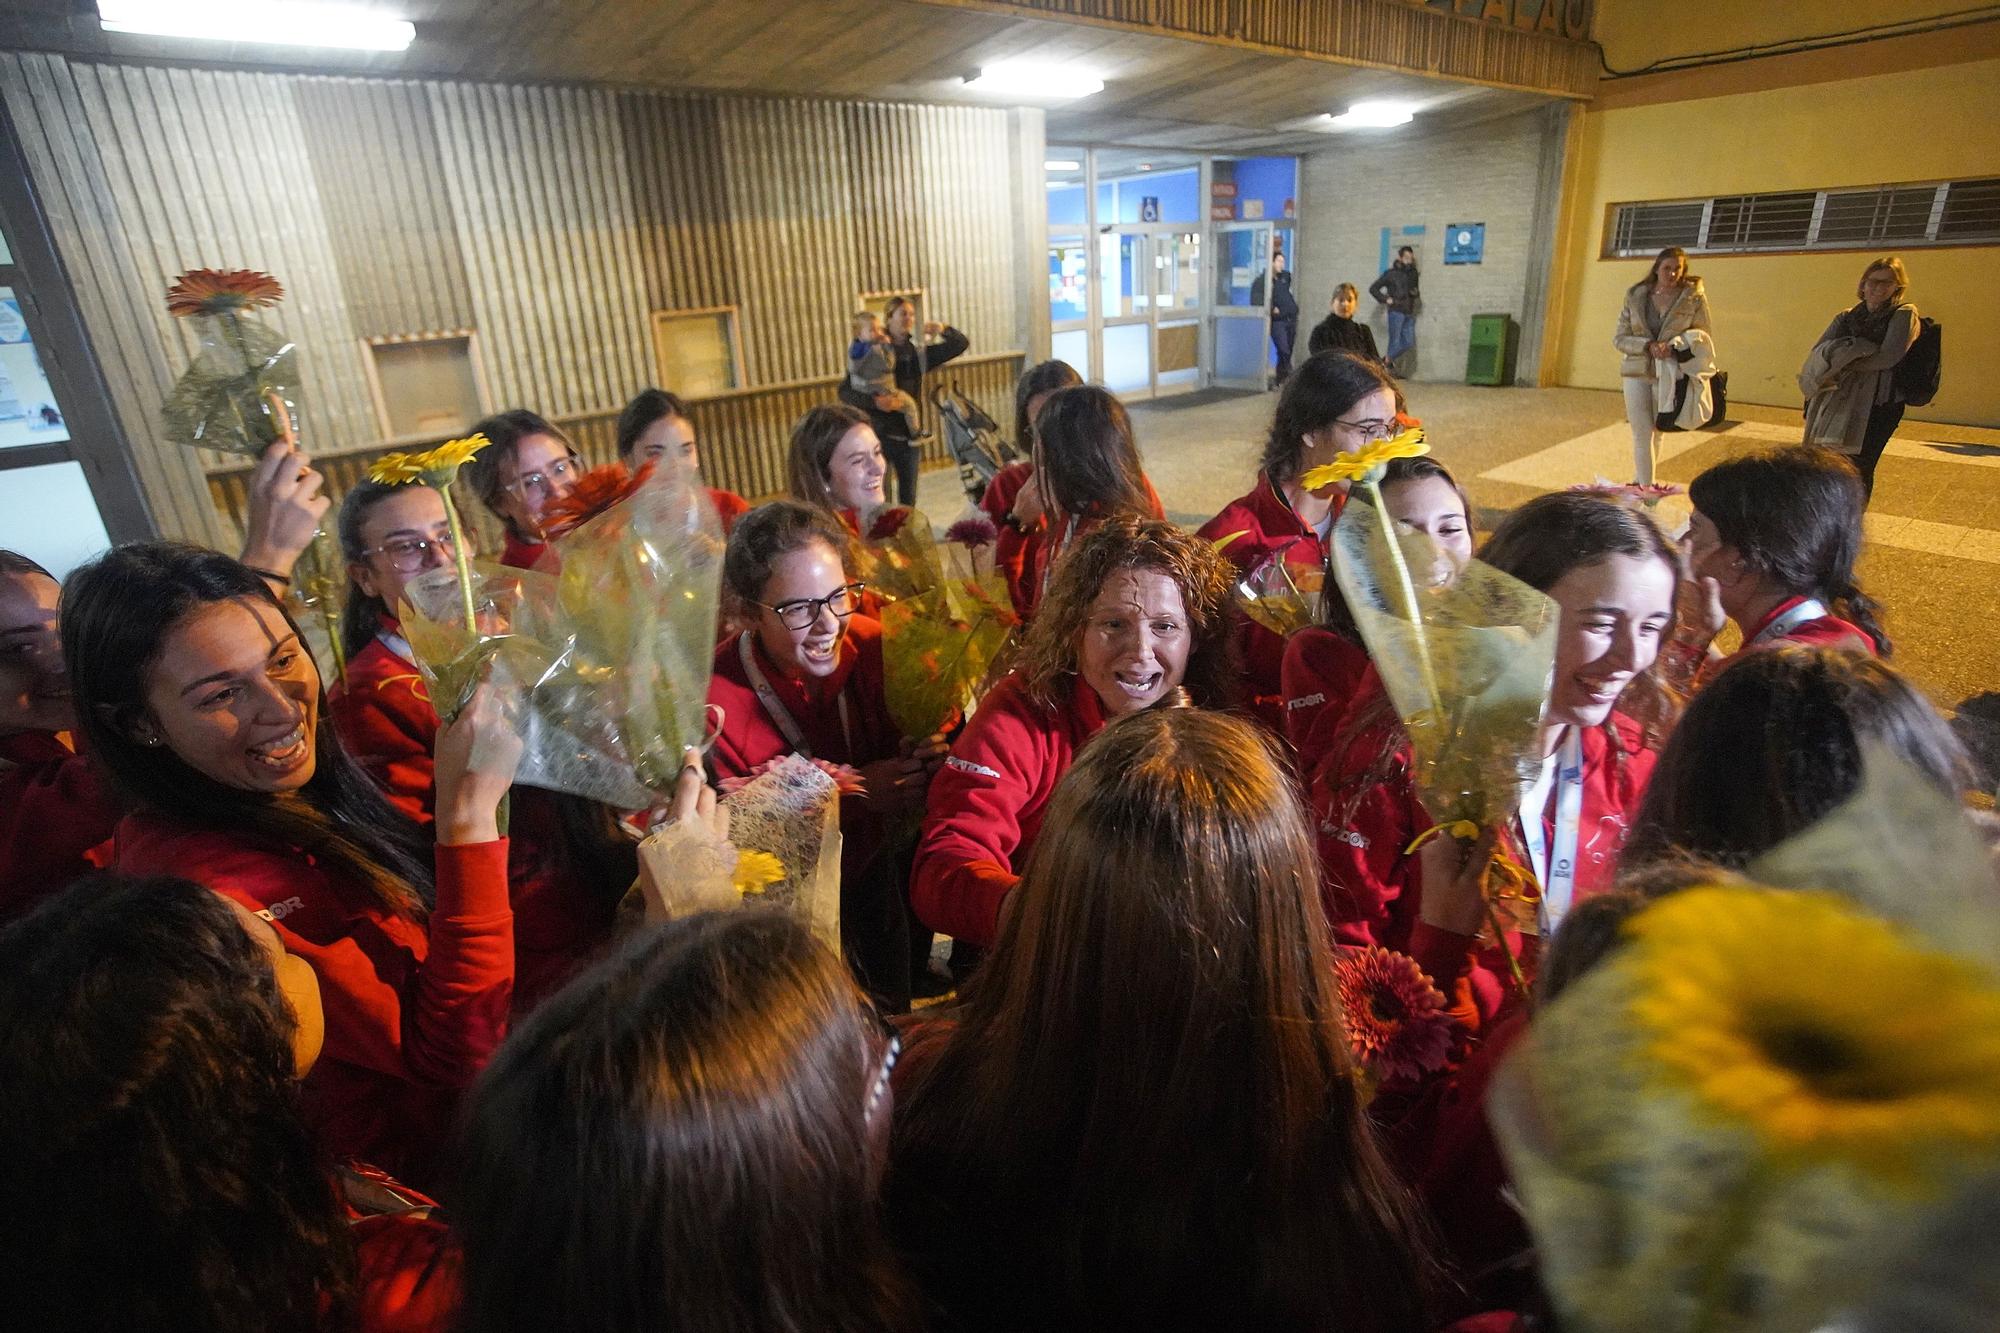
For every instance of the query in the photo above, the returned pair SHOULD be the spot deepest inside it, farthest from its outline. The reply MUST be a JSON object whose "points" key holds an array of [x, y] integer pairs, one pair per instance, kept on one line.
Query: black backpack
{"points": [[1916, 375]]}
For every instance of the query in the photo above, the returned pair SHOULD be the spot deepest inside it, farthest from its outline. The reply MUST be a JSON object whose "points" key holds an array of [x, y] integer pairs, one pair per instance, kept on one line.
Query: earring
{"points": [[152, 741]]}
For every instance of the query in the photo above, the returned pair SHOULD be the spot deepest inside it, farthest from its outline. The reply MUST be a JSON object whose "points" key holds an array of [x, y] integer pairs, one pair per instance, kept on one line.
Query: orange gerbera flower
{"points": [[596, 491], [216, 291]]}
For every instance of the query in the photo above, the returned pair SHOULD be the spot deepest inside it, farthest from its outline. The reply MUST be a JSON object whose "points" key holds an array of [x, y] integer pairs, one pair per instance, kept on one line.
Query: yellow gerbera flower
{"points": [[454, 454], [396, 469], [757, 871], [1356, 466], [1831, 1034]]}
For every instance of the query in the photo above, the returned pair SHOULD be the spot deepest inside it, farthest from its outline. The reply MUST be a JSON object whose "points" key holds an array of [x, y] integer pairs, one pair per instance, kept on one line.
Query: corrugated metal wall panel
{"points": [[375, 153], [673, 147]]}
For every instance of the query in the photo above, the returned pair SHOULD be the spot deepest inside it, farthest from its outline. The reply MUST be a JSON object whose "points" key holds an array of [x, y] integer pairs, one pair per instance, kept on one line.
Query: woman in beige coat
{"points": [[1852, 404], [1667, 302]]}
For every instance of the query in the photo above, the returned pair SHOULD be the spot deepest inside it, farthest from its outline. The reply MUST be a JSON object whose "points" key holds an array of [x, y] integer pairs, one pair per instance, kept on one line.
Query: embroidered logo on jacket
{"points": [[281, 909], [1359, 841], [1306, 701], [967, 766]]}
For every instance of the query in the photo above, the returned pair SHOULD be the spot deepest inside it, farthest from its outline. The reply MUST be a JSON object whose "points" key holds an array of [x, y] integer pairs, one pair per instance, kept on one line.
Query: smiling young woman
{"points": [[194, 689]]}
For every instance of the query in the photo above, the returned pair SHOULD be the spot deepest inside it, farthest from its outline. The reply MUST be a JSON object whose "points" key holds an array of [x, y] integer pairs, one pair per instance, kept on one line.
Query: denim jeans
{"points": [[1402, 334]]}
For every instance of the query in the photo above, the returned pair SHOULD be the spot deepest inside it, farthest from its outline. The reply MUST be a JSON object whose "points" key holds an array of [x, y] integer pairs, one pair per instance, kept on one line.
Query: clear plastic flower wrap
{"points": [[898, 555], [1776, 1105], [791, 811], [1466, 662], [1280, 596]]}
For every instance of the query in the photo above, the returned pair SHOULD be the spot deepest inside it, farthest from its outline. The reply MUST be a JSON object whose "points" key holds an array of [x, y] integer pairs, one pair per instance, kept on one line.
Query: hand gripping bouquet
{"points": [[1776, 1105], [239, 395], [1465, 657], [945, 624]]}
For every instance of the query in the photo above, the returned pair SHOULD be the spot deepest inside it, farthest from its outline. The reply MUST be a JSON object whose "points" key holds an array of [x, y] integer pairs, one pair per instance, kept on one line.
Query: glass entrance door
{"points": [[1240, 312]]}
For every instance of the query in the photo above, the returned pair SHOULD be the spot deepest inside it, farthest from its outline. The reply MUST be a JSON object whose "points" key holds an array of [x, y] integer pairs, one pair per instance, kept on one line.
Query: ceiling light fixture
{"points": [[1061, 166], [1035, 78], [260, 22], [1374, 115]]}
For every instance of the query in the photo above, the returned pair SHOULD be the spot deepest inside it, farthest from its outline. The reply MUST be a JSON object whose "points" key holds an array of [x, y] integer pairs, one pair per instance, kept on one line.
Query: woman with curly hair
{"points": [[1136, 612], [160, 1173]]}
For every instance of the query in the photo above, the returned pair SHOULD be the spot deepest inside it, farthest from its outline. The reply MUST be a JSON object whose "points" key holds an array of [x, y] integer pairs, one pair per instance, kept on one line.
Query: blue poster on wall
{"points": [[1464, 242]]}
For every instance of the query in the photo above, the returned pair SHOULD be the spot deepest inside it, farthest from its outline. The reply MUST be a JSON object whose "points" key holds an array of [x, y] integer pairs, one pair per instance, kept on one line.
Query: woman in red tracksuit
{"points": [[1135, 611], [654, 425], [1015, 508], [1614, 576], [804, 676], [157, 1032], [1326, 664], [568, 859], [1333, 404], [1771, 548], [194, 690], [528, 464], [56, 806]]}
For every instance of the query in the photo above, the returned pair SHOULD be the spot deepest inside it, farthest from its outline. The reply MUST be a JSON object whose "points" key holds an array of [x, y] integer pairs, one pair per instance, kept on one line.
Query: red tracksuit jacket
{"points": [[407, 1267], [987, 802], [1269, 527], [413, 1009], [57, 808], [749, 736], [1372, 887], [1822, 632], [1322, 672], [561, 920], [1012, 547]]}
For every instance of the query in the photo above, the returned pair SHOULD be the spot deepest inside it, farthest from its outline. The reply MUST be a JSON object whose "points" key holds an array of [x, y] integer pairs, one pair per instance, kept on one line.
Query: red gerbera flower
{"points": [[216, 291], [888, 522], [972, 532], [596, 491], [846, 779], [1397, 1025]]}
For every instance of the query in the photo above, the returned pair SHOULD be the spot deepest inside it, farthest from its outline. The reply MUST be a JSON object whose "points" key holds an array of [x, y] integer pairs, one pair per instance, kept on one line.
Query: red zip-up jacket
{"points": [[987, 803], [1371, 884], [1268, 527], [1321, 673], [1011, 547], [413, 1009], [407, 1267], [561, 920], [729, 506], [519, 553], [58, 810], [1827, 631], [749, 736]]}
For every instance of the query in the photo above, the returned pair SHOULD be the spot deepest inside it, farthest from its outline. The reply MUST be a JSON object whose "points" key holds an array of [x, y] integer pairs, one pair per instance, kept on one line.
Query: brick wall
{"points": [[1504, 173]]}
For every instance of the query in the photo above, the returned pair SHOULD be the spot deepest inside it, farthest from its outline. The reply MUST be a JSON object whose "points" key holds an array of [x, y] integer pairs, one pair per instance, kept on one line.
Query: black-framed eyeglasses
{"points": [[407, 555], [1374, 429], [804, 613], [545, 481]]}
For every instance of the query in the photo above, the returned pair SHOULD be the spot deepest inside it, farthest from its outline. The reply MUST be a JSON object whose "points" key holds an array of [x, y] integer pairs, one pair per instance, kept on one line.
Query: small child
{"points": [[871, 368]]}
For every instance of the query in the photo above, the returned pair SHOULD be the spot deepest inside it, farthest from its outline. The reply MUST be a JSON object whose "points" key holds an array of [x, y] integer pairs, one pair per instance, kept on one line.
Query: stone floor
{"points": [[1933, 549]]}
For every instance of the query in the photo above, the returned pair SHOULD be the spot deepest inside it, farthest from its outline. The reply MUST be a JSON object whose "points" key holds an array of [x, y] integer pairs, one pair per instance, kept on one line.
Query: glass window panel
{"points": [[1121, 264], [1128, 357], [428, 387], [49, 516], [28, 410], [1971, 210], [1242, 257], [697, 351], [1069, 297], [1073, 346]]}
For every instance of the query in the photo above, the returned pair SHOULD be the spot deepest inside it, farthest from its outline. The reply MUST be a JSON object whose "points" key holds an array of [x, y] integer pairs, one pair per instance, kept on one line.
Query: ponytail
{"points": [[1863, 612]]}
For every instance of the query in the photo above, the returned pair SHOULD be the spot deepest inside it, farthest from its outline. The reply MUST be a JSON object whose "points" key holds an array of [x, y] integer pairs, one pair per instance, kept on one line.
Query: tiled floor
{"points": [[1933, 549]]}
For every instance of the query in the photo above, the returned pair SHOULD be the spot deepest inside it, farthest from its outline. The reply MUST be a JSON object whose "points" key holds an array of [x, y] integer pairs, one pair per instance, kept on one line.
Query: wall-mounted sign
{"points": [[1564, 18], [1253, 210], [1222, 189], [1291, 208], [1222, 212], [28, 411], [1149, 208], [1465, 243]]}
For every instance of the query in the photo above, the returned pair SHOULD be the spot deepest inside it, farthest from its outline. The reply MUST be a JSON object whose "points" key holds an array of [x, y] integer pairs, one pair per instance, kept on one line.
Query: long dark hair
{"points": [[682, 1139], [117, 612], [159, 1173], [362, 614], [1086, 458], [1046, 377], [646, 407], [1775, 742], [814, 439], [504, 432], [1794, 515], [1318, 393], [1145, 1115]]}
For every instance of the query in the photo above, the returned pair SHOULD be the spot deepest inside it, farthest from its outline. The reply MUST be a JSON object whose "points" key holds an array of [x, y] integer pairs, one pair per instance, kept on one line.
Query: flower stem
{"points": [[1409, 591], [1725, 1236], [459, 558], [1493, 923]]}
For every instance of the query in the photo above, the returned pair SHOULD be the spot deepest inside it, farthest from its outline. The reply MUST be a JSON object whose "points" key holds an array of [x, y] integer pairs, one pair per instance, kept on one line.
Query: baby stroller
{"points": [[976, 444]]}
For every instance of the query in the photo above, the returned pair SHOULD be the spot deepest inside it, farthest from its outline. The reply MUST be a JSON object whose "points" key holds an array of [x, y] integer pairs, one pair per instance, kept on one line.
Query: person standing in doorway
{"points": [[1284, 315], [1340, 331], [914, 356], [1658, 308], [1397, 289]]}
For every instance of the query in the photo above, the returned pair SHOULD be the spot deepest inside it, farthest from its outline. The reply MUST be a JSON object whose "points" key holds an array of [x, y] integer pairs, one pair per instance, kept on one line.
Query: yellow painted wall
{"points": [[1927, 124], [1637, 32]]}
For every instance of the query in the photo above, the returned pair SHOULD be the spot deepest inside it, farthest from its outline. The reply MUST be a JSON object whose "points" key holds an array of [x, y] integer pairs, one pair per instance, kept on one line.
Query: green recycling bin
{"points": [[1489, 359]]}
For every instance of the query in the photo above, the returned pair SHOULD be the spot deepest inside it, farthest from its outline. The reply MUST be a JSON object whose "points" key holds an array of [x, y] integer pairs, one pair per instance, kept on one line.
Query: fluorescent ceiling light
{"points": [[1035, 78], [259, 21], [1053, 165], [1374, 115]]}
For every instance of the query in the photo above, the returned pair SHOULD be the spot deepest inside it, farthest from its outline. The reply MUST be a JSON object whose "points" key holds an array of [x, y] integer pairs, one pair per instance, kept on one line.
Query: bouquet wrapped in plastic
{"points": [[1778, 1101], [898, 557], [791, 813], [946, 624], [1279, 595], [1465, 656], [239, 395]]}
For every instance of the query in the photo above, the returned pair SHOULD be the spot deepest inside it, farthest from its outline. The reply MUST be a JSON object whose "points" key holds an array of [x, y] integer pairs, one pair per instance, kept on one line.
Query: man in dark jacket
{"points": [[914, 355], [1397, 289], [1284, 313]]}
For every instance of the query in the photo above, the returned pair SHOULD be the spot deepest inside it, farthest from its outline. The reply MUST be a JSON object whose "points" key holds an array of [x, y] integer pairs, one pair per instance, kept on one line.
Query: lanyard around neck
{"points": [[1779, 626], [1554, 860], [780, 715]]}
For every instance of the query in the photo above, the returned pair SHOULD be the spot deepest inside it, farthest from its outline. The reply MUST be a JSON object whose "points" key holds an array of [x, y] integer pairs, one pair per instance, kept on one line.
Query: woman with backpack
{"points": [[1855, 362]]}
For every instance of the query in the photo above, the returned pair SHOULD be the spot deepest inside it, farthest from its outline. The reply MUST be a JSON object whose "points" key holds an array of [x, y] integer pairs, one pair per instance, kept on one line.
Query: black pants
{"points": [[1883, 419], [1284, 333], [902, 457], [876, 923]]}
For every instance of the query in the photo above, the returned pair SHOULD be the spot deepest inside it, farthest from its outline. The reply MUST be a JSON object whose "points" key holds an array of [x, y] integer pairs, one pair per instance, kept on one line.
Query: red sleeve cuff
{"points": [[472, 879]]}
